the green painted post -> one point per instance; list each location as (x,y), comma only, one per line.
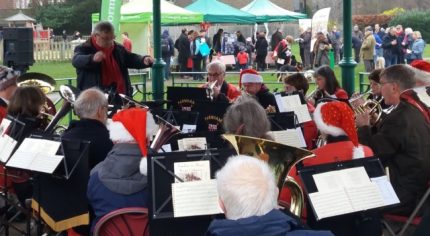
(347,63)
(157,68)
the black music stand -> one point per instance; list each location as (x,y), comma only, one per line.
(185,98)
(372,165)
(211,116)
(213,139)
(16,128)
(283,120)
(177,117)
(161,176)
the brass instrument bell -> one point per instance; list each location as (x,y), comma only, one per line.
(45,82)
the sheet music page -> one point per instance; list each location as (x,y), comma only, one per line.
(195,198)
(7,144)
(291,102)
(39,145)
(180,145)
(328,181)
(21,160)
(354,176)
(423,96)
(365,197)
(165,148)
(186,128)
(388,194)
(5,123)
(279,102)
(197,143)
(192,170)
(302,113)
(301,136)
(287,137)
(327,204)
(45,163)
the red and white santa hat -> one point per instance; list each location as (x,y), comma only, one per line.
(336,119)
(133,125)
(421,65)
(249,76)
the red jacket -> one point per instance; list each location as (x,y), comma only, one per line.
(3,113)
(232,92)
(310,131)
(242,57)
(341,94)
(127,44)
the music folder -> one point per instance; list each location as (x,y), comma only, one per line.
(345,187)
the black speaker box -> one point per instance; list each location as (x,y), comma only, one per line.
(18,46)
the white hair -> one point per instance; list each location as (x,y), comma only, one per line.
(247,187)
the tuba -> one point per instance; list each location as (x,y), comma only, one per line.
(164,133)
(68,93)
(281,158)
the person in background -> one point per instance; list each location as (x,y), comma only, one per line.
(306,43)
(126,42)
(243,58)
(217,41)
(102,62)
(356,45)
(275,39)
(391,47)
(182,44)
(368,49)
(241,183)
(417,49)
(8,86)
(357,33)
(205,39)
(261,51)
(401,34)
(250,50)
(240,37)
(167,52)
(334,40)
(196,55)
(320,50)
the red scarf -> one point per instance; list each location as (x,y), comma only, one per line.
(111,74)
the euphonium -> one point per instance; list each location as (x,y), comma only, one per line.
(281,158)
(164,133)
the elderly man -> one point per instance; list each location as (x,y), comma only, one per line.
(64,200)
(222,91)
(402,140)
(248,196)
(254,87)
(7,88)
(102,62)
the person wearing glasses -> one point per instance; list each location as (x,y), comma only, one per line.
(402,140)
(104,63)
(220,89)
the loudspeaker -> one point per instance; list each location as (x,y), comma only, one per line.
(18,47)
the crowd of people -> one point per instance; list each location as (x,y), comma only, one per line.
(115,174)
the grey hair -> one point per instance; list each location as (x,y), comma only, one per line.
(251,114)
(247,187)
(103,27)
(400,74)
(216,65)
(89,102)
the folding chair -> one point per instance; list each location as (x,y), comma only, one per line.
(413,219)
(128,221)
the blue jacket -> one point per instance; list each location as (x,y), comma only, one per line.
(116,182)
(417,50)
(274,223)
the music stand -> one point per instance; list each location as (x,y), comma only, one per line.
(16,129)
(213,139)
(177,117)
(211,115)
(372,165)
(185,98)
(161,176)
(283,120)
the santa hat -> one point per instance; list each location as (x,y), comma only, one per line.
(421,65)
(249,76)
(336,119)
(133,125)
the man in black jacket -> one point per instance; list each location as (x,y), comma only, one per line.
(254,87)
(182,44)
(102,62)
(402,141)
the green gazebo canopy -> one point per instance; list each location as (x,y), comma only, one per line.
(267,11)
(217,12)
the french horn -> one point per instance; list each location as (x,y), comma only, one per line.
(281,158)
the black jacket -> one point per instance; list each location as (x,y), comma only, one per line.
(183,46)
(402,142)
(95,132)
(266,98)
(89,72)
(261,47)
(389,49)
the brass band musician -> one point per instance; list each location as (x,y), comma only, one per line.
(219,88)
(328,86)
(7,88)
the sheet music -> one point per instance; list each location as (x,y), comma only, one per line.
(364,197)
(39,145)
(422,95)
(337,179)
(45,163)
(195,198)
(21,160)
(192,170)
(302,113)
(186,128)
(4,125)
(301,136)
(288,137)
(165,148)
(7,144)
(187,144)
(388,194)
(327,204)
(279,102)
(291,102)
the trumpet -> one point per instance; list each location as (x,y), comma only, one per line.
(210,90)
(130,102)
